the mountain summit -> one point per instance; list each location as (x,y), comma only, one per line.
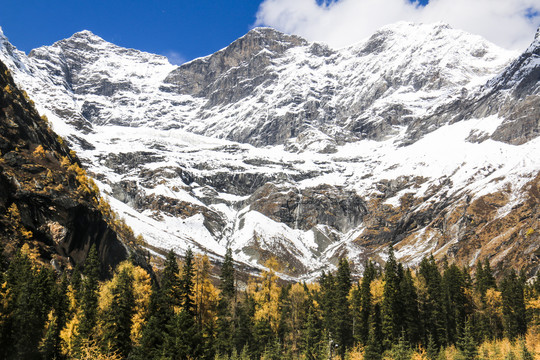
(421,136)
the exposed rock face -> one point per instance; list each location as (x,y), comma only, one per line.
(40,201)
(304,209)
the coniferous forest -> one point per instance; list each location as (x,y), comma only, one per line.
(436,311)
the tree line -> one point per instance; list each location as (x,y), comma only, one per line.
(437,311)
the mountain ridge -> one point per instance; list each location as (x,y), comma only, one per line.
(301,151)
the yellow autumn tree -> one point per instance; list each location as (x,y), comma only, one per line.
(206,294)
(69,333)
(142,289)
(266,294)
(297,297)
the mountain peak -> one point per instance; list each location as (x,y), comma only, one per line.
(86,35)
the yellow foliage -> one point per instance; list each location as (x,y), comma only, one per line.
(68,334)
(39,152)
(91,351)
(31,253)
(356,353)
(65,162)
(15,220)
(266,295)
(419,354)
(273,264)
(529,232)
(206,294)
(494,301)
(142,290)
(377,289)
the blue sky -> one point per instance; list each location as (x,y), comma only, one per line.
(183,30)
(188,29)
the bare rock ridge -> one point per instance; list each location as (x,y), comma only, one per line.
(421,136)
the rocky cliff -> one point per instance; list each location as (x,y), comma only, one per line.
(46,200)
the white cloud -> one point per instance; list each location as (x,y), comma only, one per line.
(175,58)
(507,23)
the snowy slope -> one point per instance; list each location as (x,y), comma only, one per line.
(278,146)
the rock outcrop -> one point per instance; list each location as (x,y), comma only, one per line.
(44,201)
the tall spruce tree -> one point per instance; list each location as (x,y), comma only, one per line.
(163,300)
(467,345)
(227,276)
(51,345)
(454,283)
(28,304)
(411,327)
(343,320)
(513,299)
(118,318)
(391,310)
(89,295)
(365,307)
(432,310)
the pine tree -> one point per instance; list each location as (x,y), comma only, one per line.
(402,350)
(227,276)
(432,310)
(467,345)
(50,347)
(365,308)
(186,284)
(343,320)
(514,313)
(391,309)
(373,349)
(312,333)
(455,302)
(118,318)
(29,303)
(89,296)
(409,308)
(431,349)
(161,313)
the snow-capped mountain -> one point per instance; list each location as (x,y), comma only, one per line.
(422,136)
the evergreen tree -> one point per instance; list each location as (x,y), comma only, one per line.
(365,308)
(514,313)
(326,300)
(223,343)
(312,332)
(409,307)
(161,316)
(391,310)
(89,295)
(431,349)
(118,318)
(401,350)
(343,321)
(467,346)
(455,302)
(227,276)
(432,302)
(373,349)
(243,336)
(29,302)
(186,284)
(51,344)
(484,277)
